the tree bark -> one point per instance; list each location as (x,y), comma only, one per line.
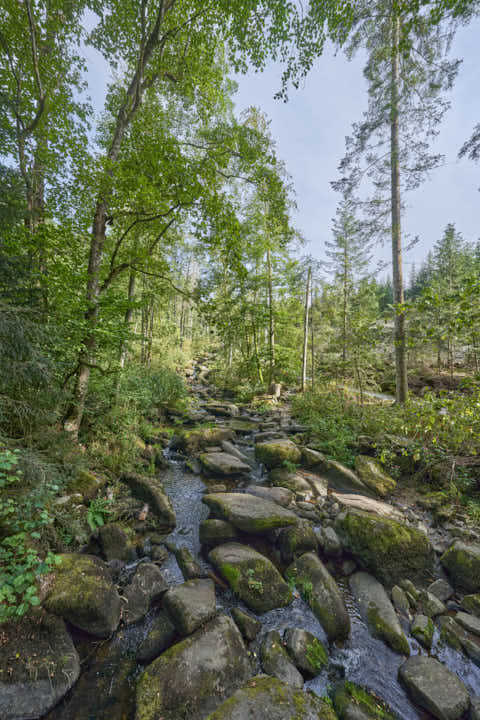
(305,330)
(312,341)
(271,323)
(128,318)
(398,295)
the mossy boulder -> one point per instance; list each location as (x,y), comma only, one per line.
(190,605)
(434,687)
(377,611)
(86,484)
(159,638)
(471,603)
(276,661)
(353,702)
(274,453)
(83,593)
(252,577)
(278,495)
(372,474)
(38,665)
(297,540)
(422,630)
(215,532)
(342,478)
(115,544)
(192,442)
(249,513)
(307,652)
(301,482)
(248,625)
(267,698)
(150,490)
(322,593)
(193,677)
(462,562)
(223,464)
(388,549)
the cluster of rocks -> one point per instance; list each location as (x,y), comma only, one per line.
(314,521)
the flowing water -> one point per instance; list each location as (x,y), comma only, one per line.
(106,689)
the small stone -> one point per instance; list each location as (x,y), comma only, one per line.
(348,567)
(435,688)
(471,603)
(115,544)
(430,604)
(306,651)
(441,589)
(188,565)
(409,587)
(332,546)
(276,662)
(297,540)
(146,586)
(248,625)
(159,554)
(450,632)
(216,488)
(422,629)
(400,599)
(216,532)
(190,605)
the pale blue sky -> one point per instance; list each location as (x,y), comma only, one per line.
(310,133)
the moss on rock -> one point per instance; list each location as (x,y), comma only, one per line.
(462,563)
(274,453)
(372,474)
(351,700)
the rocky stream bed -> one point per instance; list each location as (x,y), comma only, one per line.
(255,579)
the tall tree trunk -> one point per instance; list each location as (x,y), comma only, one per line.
(305,330)
(312,341)
(128,318)
(398,296)
(271,323)
(344,309)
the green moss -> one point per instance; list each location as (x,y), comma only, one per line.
(316,655)
(232,575)
(347,694)
(86,484)
(274,453)
(383,631)
(463,565)
(471,603)
(424,635)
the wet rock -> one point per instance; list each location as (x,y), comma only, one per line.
(160,636)
(471,647)
(475,708)
(230,449)
(469,622)
(451,632)
(252,577)
(388,549)
(276,662)
(471,603)
(150,490)
(410,589)
(441,589)
(273,453)
(188,565)
(190,605)
(223,409)
(216,532)
(38,665)
(311,458)
(293,481)
(378,612)
(462,562)
(434,688)
(321,592)
(360,502)
(146,586)
(372,474)
(267,698)
(296,541)
(193,677)
(248,625)
(422,630)
(430,604)
(249,513)
(220,463)
(83,594)
(307,652)
(400,600)
(332,546)
(278,495)
(115,544)
(159,554)
(353,702)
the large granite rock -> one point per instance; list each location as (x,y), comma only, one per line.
(38,665)
(273,453)
(83,593)
(192,442)
(221,463)
(278,495)
(193,677)
(372,474)
(146,586)
(150,490)
(388,549)
(434,688)
(267,698)
(300,482)
(321,592)
(297,540)
(377,611)
(215,532)
(353,702)
(471,603)
(361,502)
(276,661)
(462,562)
(190,604)
(249,513)
(252,577)
(341,478)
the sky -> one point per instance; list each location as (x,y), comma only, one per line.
(310,131)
